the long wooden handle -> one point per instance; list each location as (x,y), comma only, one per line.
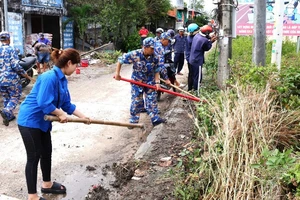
(93,121)
(161,89)
(178,88)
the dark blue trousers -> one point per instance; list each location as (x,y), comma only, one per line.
(178,61)
(197,76)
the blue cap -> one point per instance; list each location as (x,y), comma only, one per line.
(148,42)
(166,35)
(4,36)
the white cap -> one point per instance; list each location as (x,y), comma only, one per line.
(180,28)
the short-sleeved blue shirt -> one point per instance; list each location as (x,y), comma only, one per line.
(44,99)
(44,40)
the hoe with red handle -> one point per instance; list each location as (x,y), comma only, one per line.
(161,89)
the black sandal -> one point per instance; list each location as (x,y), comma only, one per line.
(41,198)
(55,189)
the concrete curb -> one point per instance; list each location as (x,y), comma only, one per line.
(147,145)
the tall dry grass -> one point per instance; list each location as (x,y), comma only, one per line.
(246,122)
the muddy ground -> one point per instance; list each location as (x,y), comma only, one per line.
(104,162)
(147,175)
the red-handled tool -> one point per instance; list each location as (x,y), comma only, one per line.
(161,89)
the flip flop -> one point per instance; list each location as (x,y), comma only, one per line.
(55,189)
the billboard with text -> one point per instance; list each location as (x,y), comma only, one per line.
(245,16)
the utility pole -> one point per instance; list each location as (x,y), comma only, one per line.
(277,33)
(259,33)
(5,12)
(225,42)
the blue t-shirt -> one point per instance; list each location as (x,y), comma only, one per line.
(44,99)
(44,40)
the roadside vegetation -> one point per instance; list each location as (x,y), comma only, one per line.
(108,57)
(246,139)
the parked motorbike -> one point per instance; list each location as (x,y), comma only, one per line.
(171,71)
(28,63)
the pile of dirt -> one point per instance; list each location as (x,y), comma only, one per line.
(123,173)
(98,192)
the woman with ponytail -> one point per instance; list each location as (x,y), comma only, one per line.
(49,96)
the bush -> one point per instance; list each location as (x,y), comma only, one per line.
(133,41)
(108,57)
(235,128)
(246,133)
(286,81)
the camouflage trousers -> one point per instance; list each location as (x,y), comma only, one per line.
(11,96)
(137,103)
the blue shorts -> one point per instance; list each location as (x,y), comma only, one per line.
(43,57)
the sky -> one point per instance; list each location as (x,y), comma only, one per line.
(208,5)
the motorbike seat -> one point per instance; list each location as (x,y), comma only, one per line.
(27,62)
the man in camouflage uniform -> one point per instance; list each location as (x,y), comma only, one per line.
(159,51)
(146,68)
(10,86)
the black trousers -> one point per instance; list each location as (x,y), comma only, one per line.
(178,61)
(190,77)
(38,147)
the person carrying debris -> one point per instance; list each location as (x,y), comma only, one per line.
(10,86)
(50,95)
(146,69)
(42,48)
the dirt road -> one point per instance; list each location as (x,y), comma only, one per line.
(77,146)
(81,152)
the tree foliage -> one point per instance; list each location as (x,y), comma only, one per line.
(120,18)
(197,5)
(81,15)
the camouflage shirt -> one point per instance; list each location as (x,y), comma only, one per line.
(159,51)
(144,68)
(9,67)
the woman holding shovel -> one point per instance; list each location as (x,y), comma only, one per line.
(49,95)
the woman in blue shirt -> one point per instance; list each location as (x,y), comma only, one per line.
(50,95)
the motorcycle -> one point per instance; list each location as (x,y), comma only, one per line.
(171,71)
(27,63)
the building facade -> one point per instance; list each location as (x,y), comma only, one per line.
(27,18)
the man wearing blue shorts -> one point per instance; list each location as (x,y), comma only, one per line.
(42,49)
